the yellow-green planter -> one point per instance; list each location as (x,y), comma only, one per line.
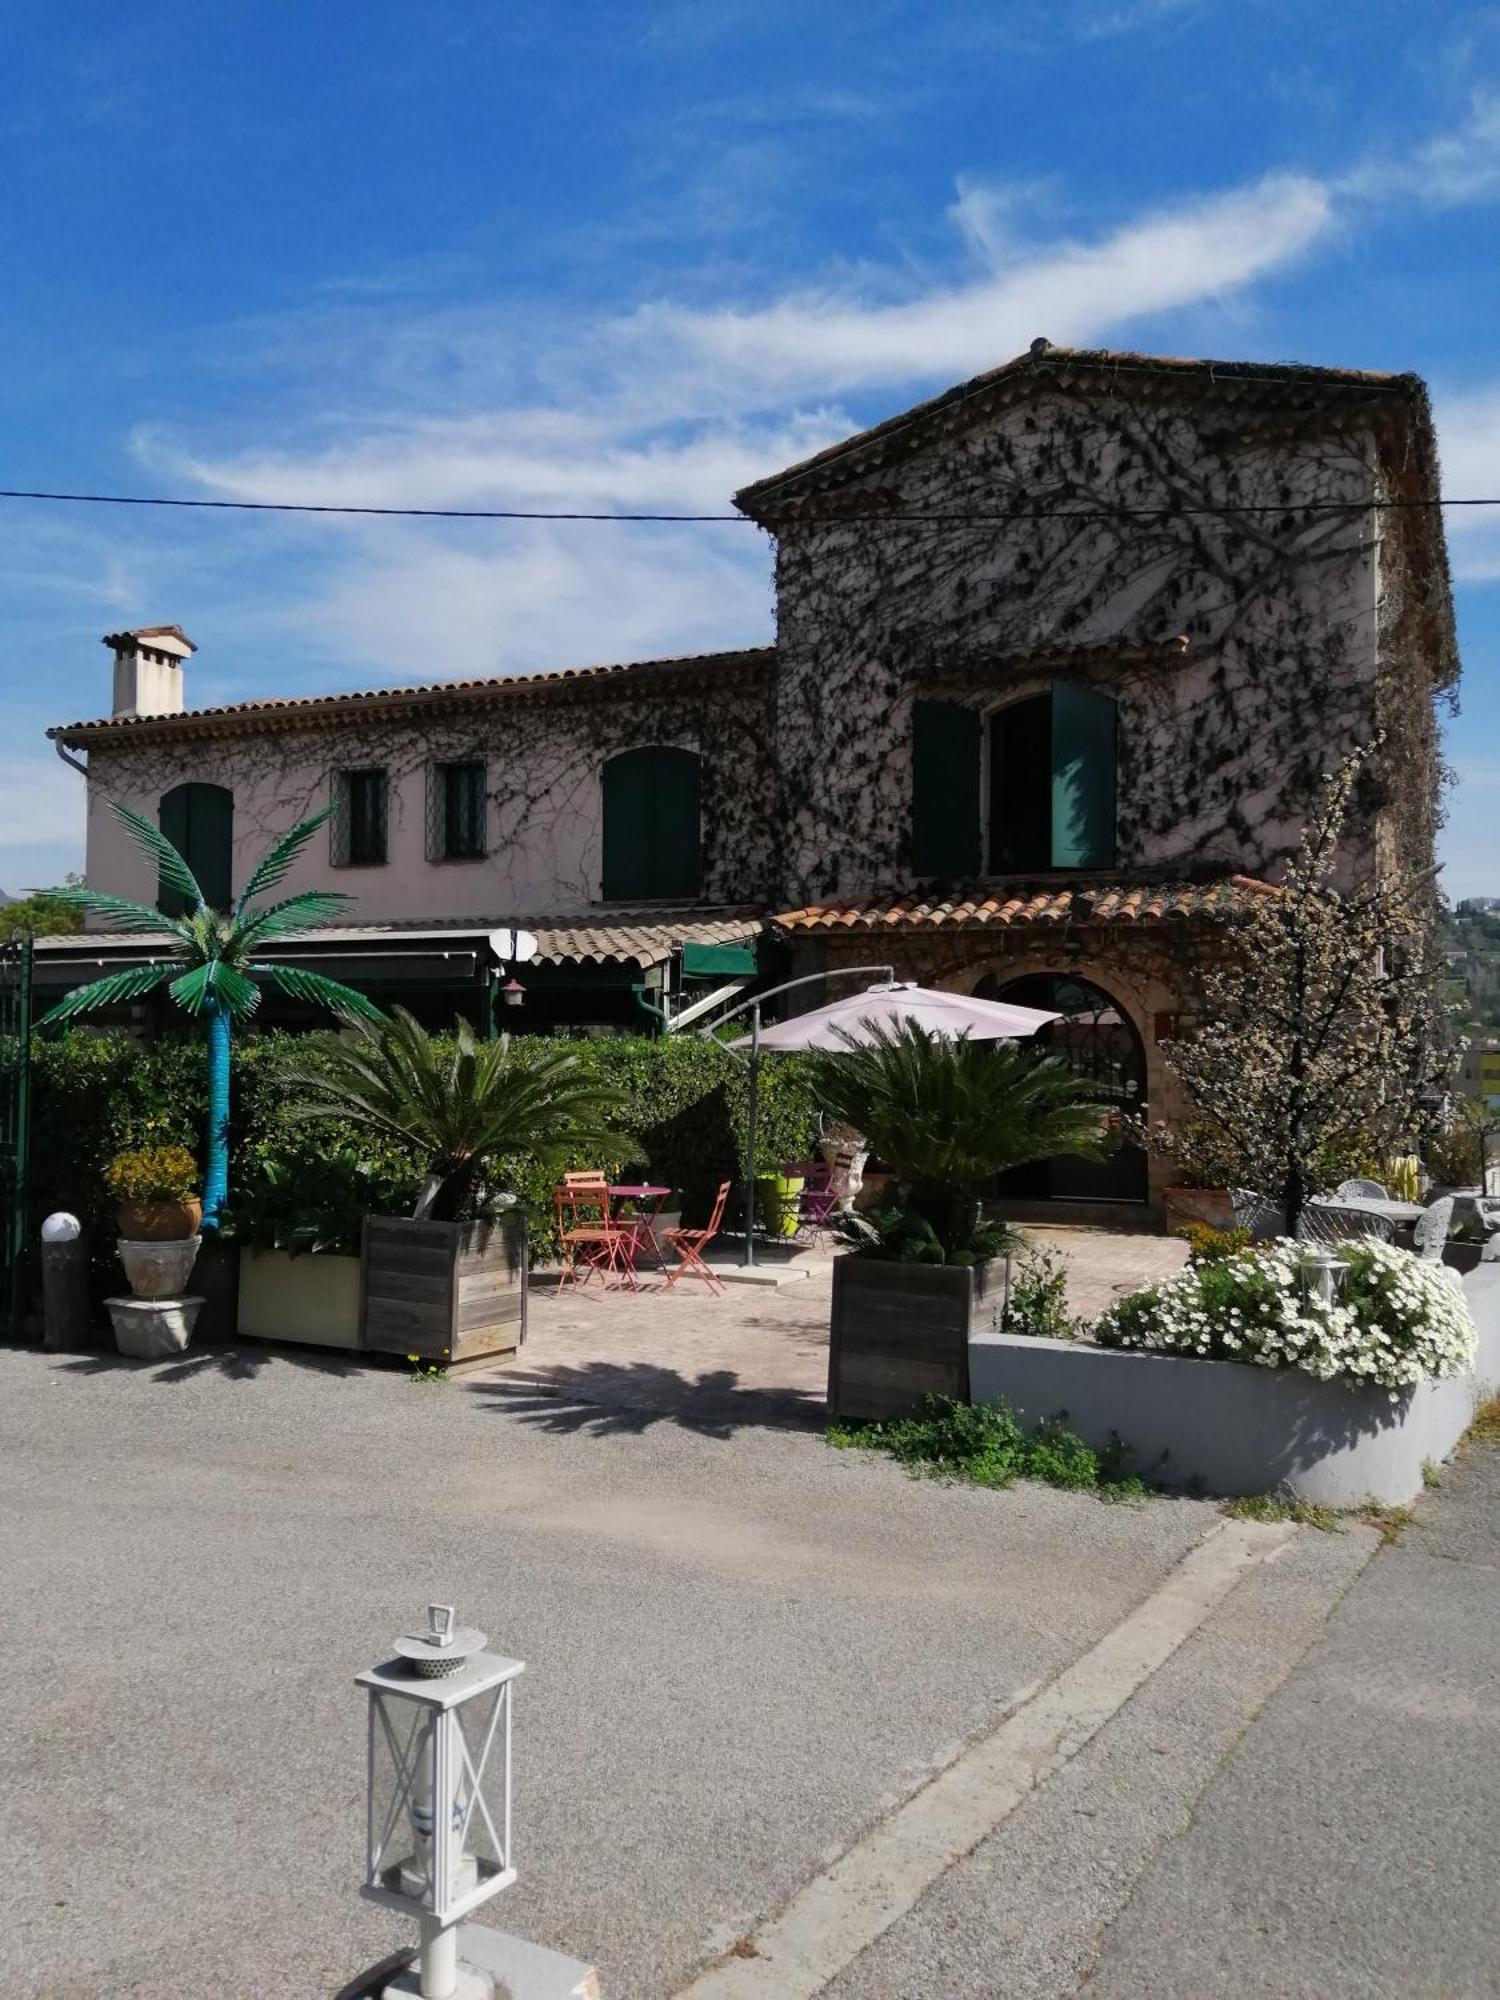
(311,1299)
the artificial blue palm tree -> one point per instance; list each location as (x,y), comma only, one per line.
(213,970)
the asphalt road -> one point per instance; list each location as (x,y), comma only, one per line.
(743,1650)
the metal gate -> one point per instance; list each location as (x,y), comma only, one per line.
(15,1124)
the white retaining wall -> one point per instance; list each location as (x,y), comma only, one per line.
(1234,1428)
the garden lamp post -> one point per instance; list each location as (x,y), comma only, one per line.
(438,1841)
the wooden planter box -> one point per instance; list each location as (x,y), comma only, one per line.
(900,1332)
(444,1291)
(312,1299)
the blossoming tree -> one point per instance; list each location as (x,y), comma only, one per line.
(1325,1027)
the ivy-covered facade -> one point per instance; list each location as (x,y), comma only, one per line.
(1061,658)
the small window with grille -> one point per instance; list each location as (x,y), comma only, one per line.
(456,812)
(359,829)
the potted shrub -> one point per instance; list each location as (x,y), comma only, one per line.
(448,1281)
(1203,1171)
(158,1213)
(155,1191)
(929,1269)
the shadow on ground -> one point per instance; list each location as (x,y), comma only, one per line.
(235,1364)
(611,1398)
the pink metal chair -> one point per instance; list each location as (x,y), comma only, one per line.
(690,1245)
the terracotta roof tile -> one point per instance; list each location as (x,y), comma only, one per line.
(1124,904)
(318,708)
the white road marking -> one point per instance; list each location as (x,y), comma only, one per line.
(843,1910)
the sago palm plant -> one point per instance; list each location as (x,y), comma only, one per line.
(946,1114)
(214,967)
(458,1102)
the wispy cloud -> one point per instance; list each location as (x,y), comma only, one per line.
(1469,439)
(1073,293)
(1447,170)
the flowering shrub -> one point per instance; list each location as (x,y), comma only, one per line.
(1397,1321)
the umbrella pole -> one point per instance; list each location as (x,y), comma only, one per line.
(752,1114)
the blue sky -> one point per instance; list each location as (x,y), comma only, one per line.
(625,255)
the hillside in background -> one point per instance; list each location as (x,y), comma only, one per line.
(1471,954)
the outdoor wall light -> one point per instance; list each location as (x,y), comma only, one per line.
(438,1814)
(513,993)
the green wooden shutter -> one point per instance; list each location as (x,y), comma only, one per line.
(199,822)
(652,828)
(676,838)
(945,740)
(1083,777)
(627,827)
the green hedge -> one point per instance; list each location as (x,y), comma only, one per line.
(302,1186)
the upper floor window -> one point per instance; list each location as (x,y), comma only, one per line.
(199,822)
(652,825)
(456,812)
(1029,787)
(359,829)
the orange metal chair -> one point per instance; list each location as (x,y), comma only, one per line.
(690,1245)
(587,1231)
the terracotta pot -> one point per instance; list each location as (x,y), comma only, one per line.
(159,1221)
(1210,1205)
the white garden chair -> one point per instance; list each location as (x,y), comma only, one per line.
(1360,1190)
(1326,1222)
(1264,1219)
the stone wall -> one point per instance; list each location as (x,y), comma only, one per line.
(1305,632)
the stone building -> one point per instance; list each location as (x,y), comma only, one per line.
(1061,656)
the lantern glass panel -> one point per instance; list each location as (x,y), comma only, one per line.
(402,1780)
(481,1754)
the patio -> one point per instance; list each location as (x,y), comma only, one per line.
(753,1354)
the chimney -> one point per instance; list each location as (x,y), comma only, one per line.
(149,669)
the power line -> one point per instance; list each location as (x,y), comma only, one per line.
(960,519)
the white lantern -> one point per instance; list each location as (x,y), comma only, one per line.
(438,1822)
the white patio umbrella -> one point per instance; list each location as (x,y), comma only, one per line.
(892,1005)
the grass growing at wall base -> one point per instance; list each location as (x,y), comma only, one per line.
(986,1445)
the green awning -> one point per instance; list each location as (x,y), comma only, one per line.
(718,961)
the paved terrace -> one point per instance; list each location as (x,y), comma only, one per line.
(754,1353)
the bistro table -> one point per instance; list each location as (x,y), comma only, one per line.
(643,1230)
(1369,1204)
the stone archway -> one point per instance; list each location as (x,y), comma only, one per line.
(1096,1036)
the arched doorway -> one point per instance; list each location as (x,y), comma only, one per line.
(1097,1039)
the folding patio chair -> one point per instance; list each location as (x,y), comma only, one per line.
(824,1192)
(691,1243)
(587,1231)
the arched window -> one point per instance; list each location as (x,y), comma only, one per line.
(199,822)
(652,838)
(1031,786)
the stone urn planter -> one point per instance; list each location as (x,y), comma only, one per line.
(1211,1206)
(158,1267)
(153,1329)
(900,1332)
(443,1291)
(159,1221)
